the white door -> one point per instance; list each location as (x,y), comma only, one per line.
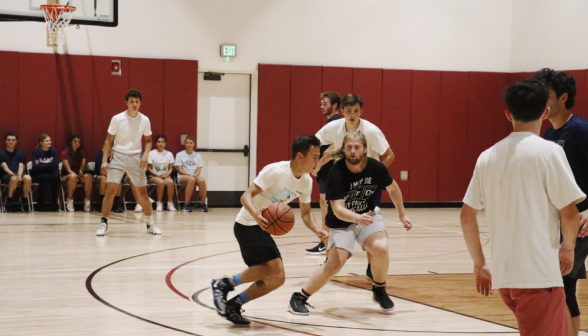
(224,123)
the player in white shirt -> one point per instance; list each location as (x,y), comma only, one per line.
(128,128)
(277,182)
(334,132)
(189,165)
(161,166)
(526,186)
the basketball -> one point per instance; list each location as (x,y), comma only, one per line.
(280,217)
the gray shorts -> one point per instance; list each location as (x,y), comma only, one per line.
(122,163)
(346,238)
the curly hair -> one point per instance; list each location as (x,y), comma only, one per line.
(560,83)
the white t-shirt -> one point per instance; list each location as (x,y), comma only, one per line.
(278,185)
(522,182)
(334,132)
(160,160)
(129,132)
(190,162)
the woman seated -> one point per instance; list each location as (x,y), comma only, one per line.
(45,172)
(73,166)
(160,167)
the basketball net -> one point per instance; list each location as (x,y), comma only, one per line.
(57,18)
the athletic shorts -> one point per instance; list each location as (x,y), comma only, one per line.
(580,254)
(6,179)
(257,246)
(322,185)
(346,238)
(130,164)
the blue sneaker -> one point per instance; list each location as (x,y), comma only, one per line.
(204,208)
(188,208)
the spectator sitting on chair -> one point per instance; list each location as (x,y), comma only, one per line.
(73,161)
(160,167)
(101,179)
(44,170)
(12,172)
(189,165)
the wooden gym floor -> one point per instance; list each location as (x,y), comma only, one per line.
(58,278)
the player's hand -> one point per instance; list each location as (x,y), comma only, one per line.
(104,168)
(262,222)
(483,278)
(18,179)
(322,235)
(406,221)
(143,163)
(164,175)
(365,219)
(584,222)
(315,172)
(566,260)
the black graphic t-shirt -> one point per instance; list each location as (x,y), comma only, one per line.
(323,173)
(573,137)
(356,189)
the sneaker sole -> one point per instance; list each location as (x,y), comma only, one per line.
(221,313)
(317,253)
(381,308)
(296,313)
(102,235)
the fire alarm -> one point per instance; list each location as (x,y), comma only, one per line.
(115,68)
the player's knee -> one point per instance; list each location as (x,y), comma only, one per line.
(379,250)
(27,178)
(72,177)
(169,182)
(13,179)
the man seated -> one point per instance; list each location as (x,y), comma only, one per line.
(12,171)
(189,165)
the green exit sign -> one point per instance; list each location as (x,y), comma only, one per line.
(228,50)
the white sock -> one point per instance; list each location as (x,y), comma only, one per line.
(148,220)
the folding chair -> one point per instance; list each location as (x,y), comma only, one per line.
(179,187)
(34,187)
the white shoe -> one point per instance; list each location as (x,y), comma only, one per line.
(151,200)
(138,208)
(102,229)
(159,206)
(151,228)
(70,206)
(171,207)
(87,205)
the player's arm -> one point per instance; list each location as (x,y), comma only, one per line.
(247,202)
(570,224)
(471,233)
(106,152)
(6,169)
(347,215)
(310,222)
(322,161)
(20,170)
(396,196)
(198,171)
(388,157)
(148,145)
(150,169)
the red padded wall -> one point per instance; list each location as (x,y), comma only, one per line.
(147,76)
(180,101)
(75,78)
(424,140)
(503,126)
(36,99)
(338,80)
(9,94)
(396,107)
(109,95)
(368,84)
(453,134)
(273,115)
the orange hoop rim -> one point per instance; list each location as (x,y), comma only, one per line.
(60,8)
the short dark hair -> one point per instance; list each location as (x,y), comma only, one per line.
(560,83)
(303,143)
(526,100)
(10,133)
(190,137)
(351,99)
(334,98)
(161,136)
(133,93)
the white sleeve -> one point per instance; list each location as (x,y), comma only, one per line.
(150,158)
(170,157)
(113,127)
(179,161)
(199,160)
(559,181)
(473,196)
(147,131)
(305,196)
(325,134)
(379,144)
(267,177)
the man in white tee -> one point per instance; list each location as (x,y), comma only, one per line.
(128,128)
(526,186)
(277,182)
(334,132)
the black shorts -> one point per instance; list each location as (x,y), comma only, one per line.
(6,179)
(322,185)
(257,246)
(580,254)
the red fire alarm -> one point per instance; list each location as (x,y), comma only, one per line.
(115,68)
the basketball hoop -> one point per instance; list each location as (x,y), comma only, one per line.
(57,18)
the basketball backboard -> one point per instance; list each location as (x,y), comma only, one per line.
(88,12)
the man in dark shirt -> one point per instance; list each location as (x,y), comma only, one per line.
(351,187)
(571,132)
(330,104)
(12,171)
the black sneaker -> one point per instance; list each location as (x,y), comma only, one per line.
(118,208)
(382,298)
(368,274)
(319,249)
(7,207)
(297,305)
(25,204)
(233,314)
(220,288)
(188,208)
